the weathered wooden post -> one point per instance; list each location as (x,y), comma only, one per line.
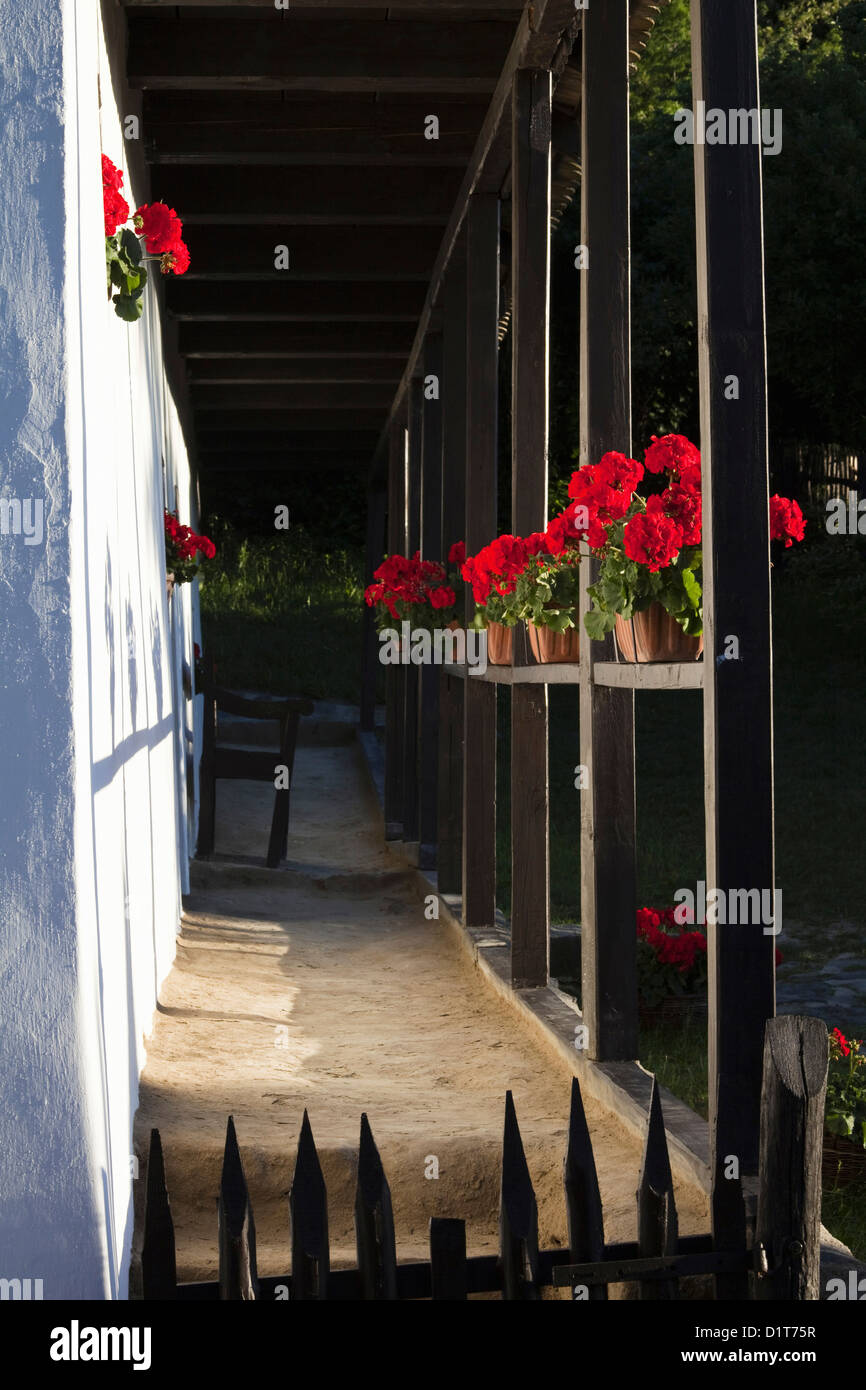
(738,734)
(609,949)
(482,349)
(395,681)
(530,354)
(789,1190)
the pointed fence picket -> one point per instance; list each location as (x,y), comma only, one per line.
(656,1262)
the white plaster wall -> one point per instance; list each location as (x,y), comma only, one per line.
(94,839)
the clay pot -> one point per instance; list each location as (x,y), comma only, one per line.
(169,583)
(654,636)
(500,644)
(549,646)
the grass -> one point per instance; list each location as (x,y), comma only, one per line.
(283,615)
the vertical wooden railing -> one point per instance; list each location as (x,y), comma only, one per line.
(451,690)
(530,358)
(738,736)
(482,349)
(607,841)
(395,676)
(431,549)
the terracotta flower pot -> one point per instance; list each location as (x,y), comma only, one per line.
(653,635)
(500,644)
(549,646)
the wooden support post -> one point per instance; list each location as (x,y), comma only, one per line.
(792,1123)
(376,499)
(395,676)
(411,789)
(530,352)
(482,347)
(609,950)
(451,713)
(431,549)
(738,737)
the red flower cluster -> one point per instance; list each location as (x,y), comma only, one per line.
(457,553)
(183,541)
(672,945)
(677,456)
(162,230)
(500,564)
(841,1042)
(414,581)
(652,539)
(787,522)
(115,206)
(605,491)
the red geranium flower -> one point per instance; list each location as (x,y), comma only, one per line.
(160,226)
(787,522)
(457,553)
(115,206)
(652,539)
(674,454)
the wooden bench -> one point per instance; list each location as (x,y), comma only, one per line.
(248,764)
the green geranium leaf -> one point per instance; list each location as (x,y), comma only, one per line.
(692,587)
(128,307)
(597,624)
(131,245)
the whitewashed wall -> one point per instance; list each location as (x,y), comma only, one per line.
(94,727)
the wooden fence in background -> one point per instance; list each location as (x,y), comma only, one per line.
(778,1256)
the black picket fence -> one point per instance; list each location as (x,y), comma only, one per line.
(781,1263)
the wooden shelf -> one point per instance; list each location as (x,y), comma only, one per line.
(565,673)
(623,675)
(650,675)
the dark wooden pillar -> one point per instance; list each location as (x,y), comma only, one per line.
(431,549)
(738,734)
(482,404)
(449,861)
(395,677)
(376,504)
(606,715)
(411,792)
(530,351)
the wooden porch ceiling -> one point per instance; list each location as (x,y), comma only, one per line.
(305,128)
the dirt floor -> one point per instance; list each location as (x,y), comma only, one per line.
(324,986)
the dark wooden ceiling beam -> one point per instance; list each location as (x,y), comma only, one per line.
(242,463)
(299,303)
(276,422)
(339,396)
(272,127)
(286,442)
(287,51)
(321,253)
(222,195)
(336,371)
(285,340)
(453,10)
